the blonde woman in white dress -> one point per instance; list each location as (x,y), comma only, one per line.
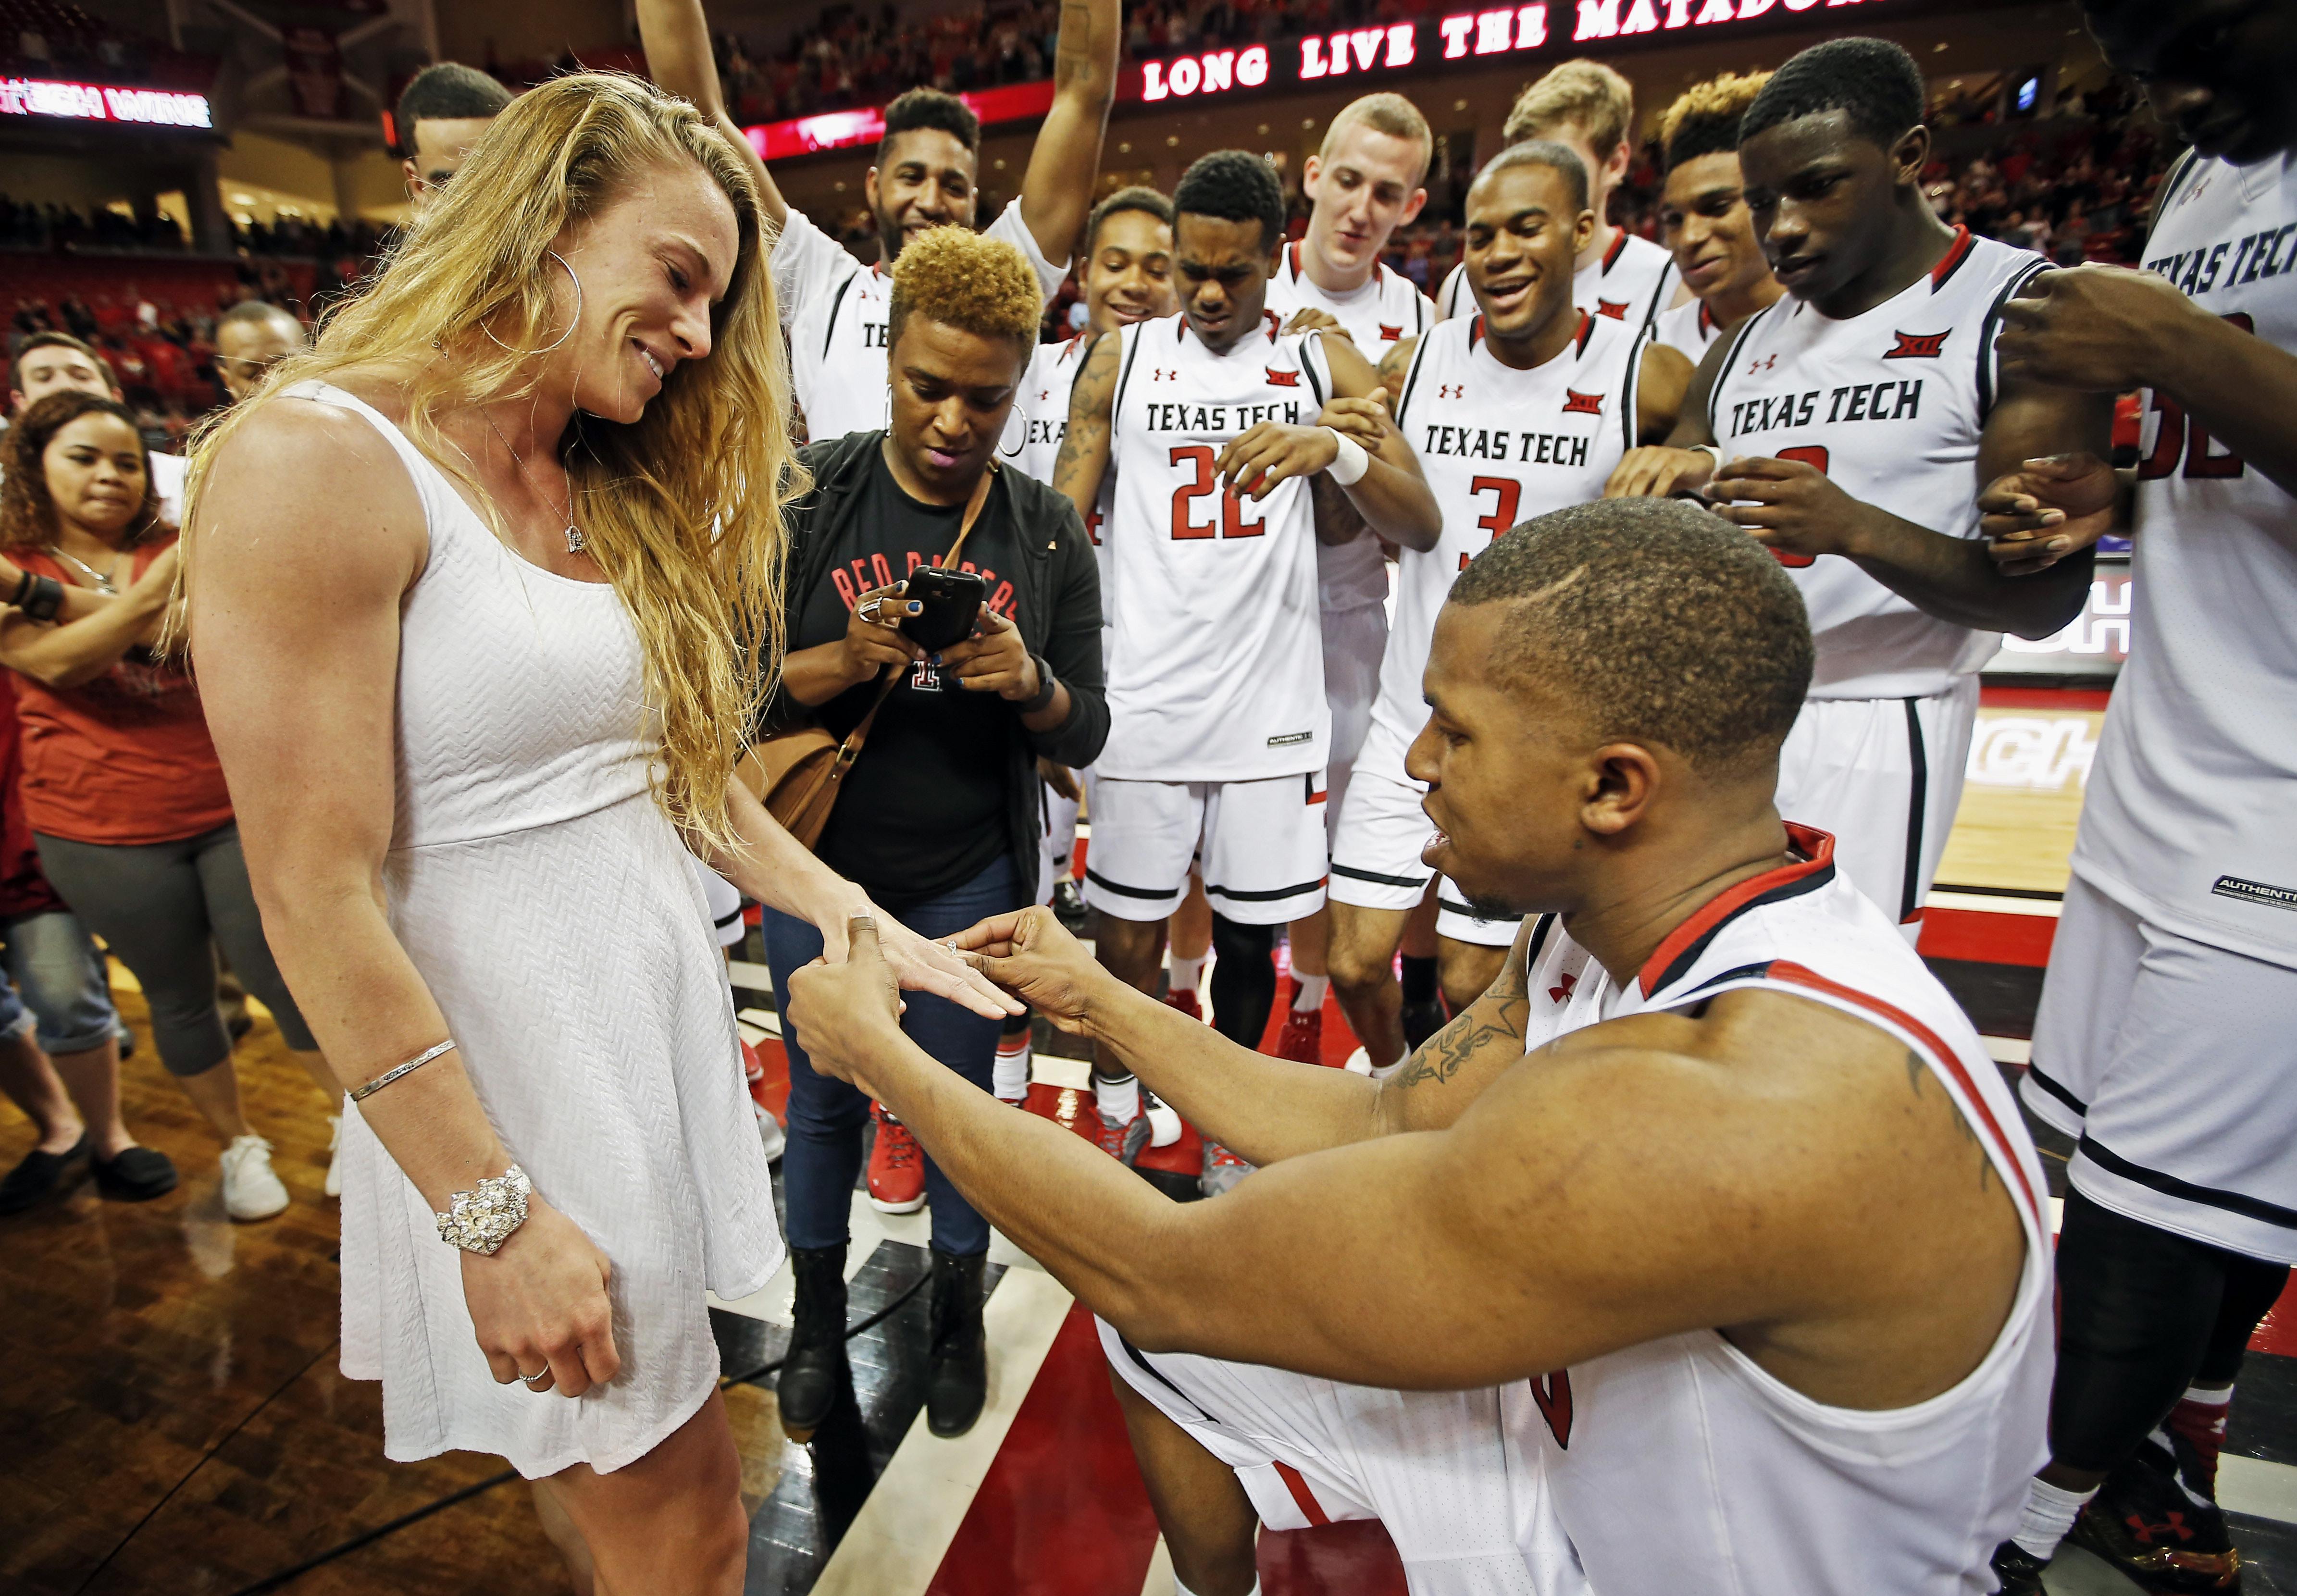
(483,591)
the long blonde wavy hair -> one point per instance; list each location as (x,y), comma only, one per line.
(681,510)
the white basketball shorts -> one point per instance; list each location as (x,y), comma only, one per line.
(1884,777)
(2172,1061)
(1259,845)
(725,904)
(1353,641)
(1431,1466)
(1375,853)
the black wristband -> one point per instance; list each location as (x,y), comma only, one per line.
(47,598)
(23,586)
(1048,684)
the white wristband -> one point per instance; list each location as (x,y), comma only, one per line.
(1351,462)
(1712,453)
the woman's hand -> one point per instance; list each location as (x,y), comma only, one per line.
(918,965)
(540,1303)
(846,1005)
(873,636)
(993,660)
(2052,507)
(1031,954)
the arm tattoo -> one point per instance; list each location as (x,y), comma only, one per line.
(1917,1072)
(1083,459)
(1394,366)
(1072,44)
(1337,519)
(1443,1054)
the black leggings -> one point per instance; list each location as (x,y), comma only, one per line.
(2143,1314)
(1244,979)
(163,909)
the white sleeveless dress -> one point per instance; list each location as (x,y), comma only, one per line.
(550,905)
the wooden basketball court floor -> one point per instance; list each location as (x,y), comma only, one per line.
(172,1419)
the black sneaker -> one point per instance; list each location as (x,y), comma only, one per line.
(1420,1022)
(2167,1539)
(2019,1570)
(1068,905)
(137,1175)
(39,1175)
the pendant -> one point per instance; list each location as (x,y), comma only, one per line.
(574,540)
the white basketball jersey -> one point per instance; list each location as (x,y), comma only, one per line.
(835,309)
(1632,283)
(1216,665)
(1889,405)
(2189,817)
(1682,1465)
(1498,446)
(1040,421)
(1386,308)
(1690,328)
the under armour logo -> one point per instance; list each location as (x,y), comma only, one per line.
(1917,346)
(1043,394)
(1766,363)
(1616,309)
(1564,991)
(1451,390)
(1388,334)
(2174,1527)
(1160,373)
(1281,379)
(1575,403)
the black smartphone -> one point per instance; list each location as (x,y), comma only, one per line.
(952,600)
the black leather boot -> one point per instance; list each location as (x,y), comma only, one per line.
(958,1379)
(814,1371)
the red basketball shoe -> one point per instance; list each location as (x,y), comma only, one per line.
(1302,1040)
(1186,1002)
(897,1167)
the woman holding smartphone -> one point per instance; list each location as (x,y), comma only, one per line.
(937,819)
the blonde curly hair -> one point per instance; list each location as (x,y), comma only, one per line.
(1704,119)
(682,509)
(967,280)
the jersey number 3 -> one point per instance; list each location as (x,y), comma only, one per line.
(1233,523)
(1505,496)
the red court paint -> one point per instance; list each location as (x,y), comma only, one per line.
(1356,1558)
(1063,1509)
(2042,698)
(1985,938)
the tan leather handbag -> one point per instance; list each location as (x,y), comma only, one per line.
(797,774)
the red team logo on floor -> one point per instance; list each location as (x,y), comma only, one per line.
(1916,346)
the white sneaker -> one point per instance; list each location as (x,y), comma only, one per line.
(1359,1062)
(250,1191)
(334,1186)
(1163,1123)
(769,1132)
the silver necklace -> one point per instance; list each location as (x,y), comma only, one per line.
(574,538)
(102,578)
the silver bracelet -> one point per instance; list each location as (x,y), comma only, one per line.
(361,1093)
(482,1218)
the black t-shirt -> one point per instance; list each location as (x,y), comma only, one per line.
(923,810)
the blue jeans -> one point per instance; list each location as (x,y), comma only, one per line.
(826,1115)
(54,965)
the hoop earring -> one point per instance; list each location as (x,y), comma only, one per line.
(571,325)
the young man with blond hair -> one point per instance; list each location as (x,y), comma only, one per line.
(1704,218)
(1363,185)
(1589,110)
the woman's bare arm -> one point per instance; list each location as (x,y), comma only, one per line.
(304,542)
(77,651)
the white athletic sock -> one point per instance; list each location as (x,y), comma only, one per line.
(1118,1100)
(1181,1590)
(1008,1076)
(1185,973)
(2050,1512)
(1308,993)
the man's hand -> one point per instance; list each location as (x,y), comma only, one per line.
(918,965)
(1308,318)
(1656,471)
(1030,953)
(540,1302)
(1271,452)
(1366,420)
(1794,509)
(993,660)
(2033,517)
(1059,777)
(848,1010)
(2107,329)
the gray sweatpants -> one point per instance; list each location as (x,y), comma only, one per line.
(163,909)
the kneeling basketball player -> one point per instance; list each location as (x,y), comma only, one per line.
(1708,1238)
